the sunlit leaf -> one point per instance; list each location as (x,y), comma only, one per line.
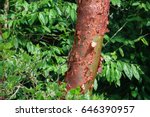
(95,84)
(135,72)
(119,65)
(121,52)
(46,29)
(42,18)
(118,76)
(116,2)
(128,71)
(5,35)
(108,75)
(144,41)
(113,77)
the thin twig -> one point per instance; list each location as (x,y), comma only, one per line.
(116,33)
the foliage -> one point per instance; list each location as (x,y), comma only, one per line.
(34,47)
(39,34)
(125,70)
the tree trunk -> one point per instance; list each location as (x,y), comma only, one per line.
(84,58)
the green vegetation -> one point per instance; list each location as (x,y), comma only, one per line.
(37,36)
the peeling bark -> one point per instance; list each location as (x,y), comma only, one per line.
(84,58)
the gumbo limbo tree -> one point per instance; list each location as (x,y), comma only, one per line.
(85,57)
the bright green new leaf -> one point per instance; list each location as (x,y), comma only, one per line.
(144,41)
(5,35)
(7,46)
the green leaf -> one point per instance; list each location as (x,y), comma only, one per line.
(106,37)
(95,84)
(116,2)
(136,4)
(30,47)
(5,35)
(103,71)
(114,55)
(73,15)
(58,11)
(121,52)
(118,76)
(144,41)
(42,18)
(1,46)
(135,72)
(134,93)
(32,19)
(119,65)
(1,39)
(8,45)
(108,77)
(46,29)
(127,70)
(148,23)
(112,71)
(1,69)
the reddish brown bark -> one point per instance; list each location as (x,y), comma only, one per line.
(84,58)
